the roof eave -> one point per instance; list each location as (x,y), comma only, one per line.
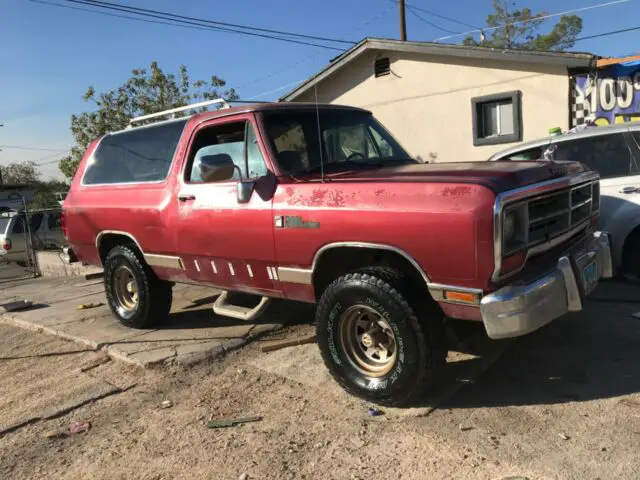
(568,60)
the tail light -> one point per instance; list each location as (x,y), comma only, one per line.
(63,224)
(6,245)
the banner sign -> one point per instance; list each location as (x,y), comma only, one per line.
(613,96)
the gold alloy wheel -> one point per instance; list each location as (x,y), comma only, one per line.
(125,289)
(367,340)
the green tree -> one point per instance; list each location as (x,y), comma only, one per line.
(26,173)
(147,91)
(519,28)
(23,173)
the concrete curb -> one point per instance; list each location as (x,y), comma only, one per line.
(187,359)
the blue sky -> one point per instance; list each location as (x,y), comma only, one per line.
(50,55)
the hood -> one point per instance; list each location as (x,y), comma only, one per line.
(498,176)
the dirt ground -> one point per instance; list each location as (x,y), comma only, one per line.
(562,403)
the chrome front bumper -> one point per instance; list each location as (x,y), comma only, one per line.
(520,309)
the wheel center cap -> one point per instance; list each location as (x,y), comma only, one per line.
(366,340)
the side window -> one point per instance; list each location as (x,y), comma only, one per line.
(18,226)
(53,221)
(609,155)
(496,118)
(36,221)
(137,155)
(635,140)
(255,160)
(227,139)
(291,145)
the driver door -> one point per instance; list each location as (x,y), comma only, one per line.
(221,241)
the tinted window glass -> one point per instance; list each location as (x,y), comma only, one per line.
(142,154)
(36,221)
(345,135)
(53,221)
(4,222)
(18,225)
(635,164)
(227,139)
(525,155)
(609,155)
(255,161)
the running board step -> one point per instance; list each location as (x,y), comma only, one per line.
(223,308)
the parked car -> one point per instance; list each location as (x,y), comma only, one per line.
(320,204)
(45,227)
(614,152)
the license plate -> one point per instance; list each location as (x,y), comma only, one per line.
(590,277)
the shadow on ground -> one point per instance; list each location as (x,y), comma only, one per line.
(585,356)
(199,314)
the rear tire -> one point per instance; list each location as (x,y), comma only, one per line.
(376,340)
(136,296)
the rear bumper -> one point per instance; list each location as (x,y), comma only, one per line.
(520,309)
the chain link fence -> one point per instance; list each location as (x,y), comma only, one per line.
(22,233)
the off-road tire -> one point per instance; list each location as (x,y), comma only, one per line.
(419,338)
(154,295)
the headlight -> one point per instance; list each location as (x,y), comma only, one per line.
(509,226)
(514,229)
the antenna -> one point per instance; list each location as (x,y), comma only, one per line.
(315,91)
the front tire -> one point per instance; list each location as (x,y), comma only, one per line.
(373,342)
(136,296)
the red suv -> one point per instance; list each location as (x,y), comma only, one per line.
(319,203)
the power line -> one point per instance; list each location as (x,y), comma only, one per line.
(203,23)
(213,22)
(443,17)
(277,89)
(19,147)
(415,14)
(542,17)
(606,34)
(302,60)
(57,160)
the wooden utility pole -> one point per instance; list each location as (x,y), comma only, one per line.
(403,23)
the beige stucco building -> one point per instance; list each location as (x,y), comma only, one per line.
(449,102)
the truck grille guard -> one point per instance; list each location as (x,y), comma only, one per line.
(553,212)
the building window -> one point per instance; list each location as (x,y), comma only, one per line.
(382,67)
(496,119)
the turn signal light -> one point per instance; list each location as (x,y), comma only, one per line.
(462,297)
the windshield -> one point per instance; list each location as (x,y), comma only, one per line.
(348,138)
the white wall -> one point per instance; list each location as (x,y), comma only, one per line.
(426,101)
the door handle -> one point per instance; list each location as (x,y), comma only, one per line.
(629,190)
(186,198)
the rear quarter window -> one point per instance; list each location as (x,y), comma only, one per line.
(138,155)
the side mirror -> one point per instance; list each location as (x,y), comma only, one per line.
(216,168)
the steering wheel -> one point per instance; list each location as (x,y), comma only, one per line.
(354,154)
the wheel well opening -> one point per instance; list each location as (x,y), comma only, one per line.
(632,240)
(110,240)
(341,260)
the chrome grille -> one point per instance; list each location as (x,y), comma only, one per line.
(554,214)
